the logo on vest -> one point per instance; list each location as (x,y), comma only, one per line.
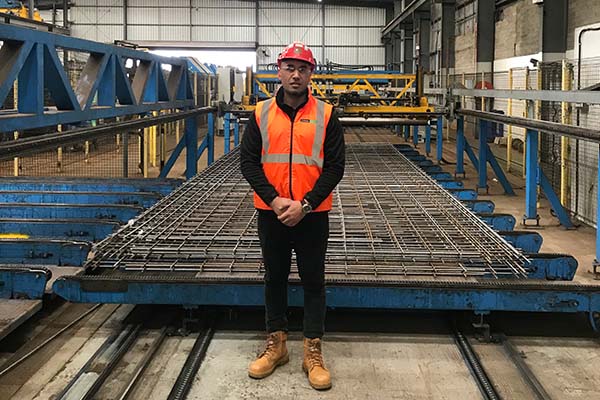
(309,121)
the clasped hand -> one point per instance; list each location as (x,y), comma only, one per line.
(288,211)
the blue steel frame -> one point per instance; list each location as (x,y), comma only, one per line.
(208,144)
(533,174)
(32,56)
(534,177)
(104,90)
(540,296)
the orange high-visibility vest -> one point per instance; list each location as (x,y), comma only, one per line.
(292,153)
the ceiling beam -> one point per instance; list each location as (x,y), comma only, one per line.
(398,19)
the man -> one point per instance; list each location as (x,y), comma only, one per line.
(292,155)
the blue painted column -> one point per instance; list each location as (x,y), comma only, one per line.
(482,165)
(460,146)
(531,174)
(226,133)
(211,139)
(236,131)
(416,135)
(191,146)
(406,132)
(397,130)
(439,140)
(428,138)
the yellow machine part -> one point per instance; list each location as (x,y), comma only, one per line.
(22,12)
(13,236)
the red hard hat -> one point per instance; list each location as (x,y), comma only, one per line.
(297,51)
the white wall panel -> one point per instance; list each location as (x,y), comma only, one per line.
(240,16)
(83,15)
(83,3)
(108,15)
(219,16)
(140,32)
(84,31)
(284,36)
(98,33)
(357,56)
(352,16)
(208,33)
(144,3)
(369,36)
(240,34)
(287,17)
(144,16)
(231,20)
(179,3)
(106,3)
(341,36)
(208,16)
(352,37)
(223,3)
(175,16)
(109,33)
(175,32)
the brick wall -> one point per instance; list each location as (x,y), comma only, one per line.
(518,30)
(464,51)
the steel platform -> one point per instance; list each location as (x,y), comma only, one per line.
(397,239)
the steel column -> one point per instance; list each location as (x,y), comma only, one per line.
(416,135)
(428,138)
(531,175)
(191,144)
(210,137)
(460,146)
(439,139)
(226,133)
(406,132)
(236,131)
(482,165)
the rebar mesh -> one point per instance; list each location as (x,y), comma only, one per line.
(389,221)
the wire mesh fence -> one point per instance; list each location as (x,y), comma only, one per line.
(571,165)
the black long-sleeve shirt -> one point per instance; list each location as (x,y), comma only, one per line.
(333,163)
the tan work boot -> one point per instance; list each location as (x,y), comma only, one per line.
(274,355)
(313,365)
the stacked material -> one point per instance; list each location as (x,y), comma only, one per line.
(389,221)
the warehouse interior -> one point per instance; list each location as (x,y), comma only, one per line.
(463,257)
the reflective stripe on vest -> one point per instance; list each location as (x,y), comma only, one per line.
(264,123)
(314,159)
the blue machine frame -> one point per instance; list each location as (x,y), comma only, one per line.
(534,176)
(32,56)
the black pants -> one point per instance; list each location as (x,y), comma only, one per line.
(309,240)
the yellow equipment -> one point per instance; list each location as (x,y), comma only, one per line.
(17,9)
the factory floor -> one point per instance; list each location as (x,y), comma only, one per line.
(372,354)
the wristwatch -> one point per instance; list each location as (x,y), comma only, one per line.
(306,207)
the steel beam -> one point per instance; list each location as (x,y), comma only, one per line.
(569,96)
(576,132)
(43,252)
(540,296)
(103,212)
(52,140)
(404,14)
